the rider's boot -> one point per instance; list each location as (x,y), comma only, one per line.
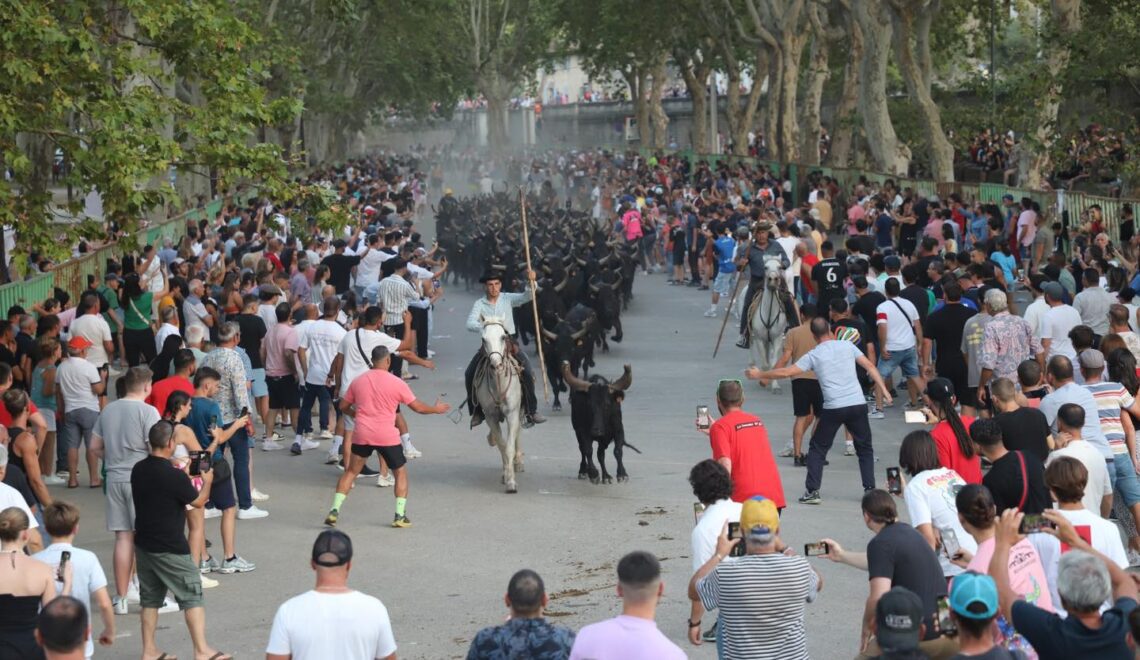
(530,401)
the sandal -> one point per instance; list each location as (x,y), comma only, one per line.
(166,656)
(73,484)
(221,656)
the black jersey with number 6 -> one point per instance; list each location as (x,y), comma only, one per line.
(829,276)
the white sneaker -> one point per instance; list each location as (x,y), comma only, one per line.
(710,313)
(209,582)
(410,451)
(121,606)
(386,480)
(168,606)
(52,480)
(332,458)
(326,434)
(271,445)
(63,474)
(212,513)
(275,436)
(252,513)
(133,592)
(258,496)
(876,414)
(307,445)
(786,452)
(849,450)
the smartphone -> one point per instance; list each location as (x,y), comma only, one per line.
(950,544)
(1034,523)
(734,533)
(703,420)
(64,557)
(698,509)
(914,417)
(244,412)
(816,549)
(945,623)
(894,481)
(199,463)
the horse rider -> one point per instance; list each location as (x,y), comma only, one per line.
(759,250)
(499,304)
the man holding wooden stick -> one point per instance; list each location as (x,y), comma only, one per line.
(496,303)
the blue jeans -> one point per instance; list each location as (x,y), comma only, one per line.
(314,393)
(239,449)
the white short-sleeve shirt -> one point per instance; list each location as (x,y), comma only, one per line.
(304,625)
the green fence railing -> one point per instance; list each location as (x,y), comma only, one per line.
(71,275)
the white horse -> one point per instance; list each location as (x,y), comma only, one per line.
(769,321)
(499,392)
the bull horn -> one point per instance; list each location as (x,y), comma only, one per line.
(594,288)
(562,284)
(549,335)
(578,335)
(625,381)
(573,381)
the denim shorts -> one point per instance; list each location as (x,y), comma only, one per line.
(1127,484)
(260,388)
(906,360)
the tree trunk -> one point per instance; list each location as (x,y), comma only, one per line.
(818,72)
(497,91)
(911,22)
(888,152)
(792,53)
(660,119)
(636,80)
(742,116)
(844,123)
(772,110)
(1035,164)
(696,81)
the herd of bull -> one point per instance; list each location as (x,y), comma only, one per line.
(585,278)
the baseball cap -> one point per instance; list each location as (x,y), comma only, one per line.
(332,548)
(970,590)
(892,262)
(759,513)
(1054,290)
(940,389)
(78,343)
(1091,358)
(898,618)
(112,276)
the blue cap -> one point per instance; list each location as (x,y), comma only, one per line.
(969,590)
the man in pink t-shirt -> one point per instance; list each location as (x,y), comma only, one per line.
(372,401)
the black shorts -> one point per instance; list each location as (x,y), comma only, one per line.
(393,455)
(283,392)
(807,397)
(679,255)
(222,494)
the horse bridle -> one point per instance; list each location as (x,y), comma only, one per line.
(504,364)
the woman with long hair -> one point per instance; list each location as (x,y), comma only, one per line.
(138,335)
(178,406)
(163,364)
(231,293)
(1029,576)
(955,449)
(929,496)
(26,585)
(48,354)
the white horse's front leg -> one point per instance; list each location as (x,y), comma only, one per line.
(508,447)
(775,350)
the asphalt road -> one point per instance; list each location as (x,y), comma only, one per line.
(444,578)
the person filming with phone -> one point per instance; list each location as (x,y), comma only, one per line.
(765,584)
(740,444)
(898,556)
(1086,580)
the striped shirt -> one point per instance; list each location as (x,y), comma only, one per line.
(1110,398)
(761,600)
(395,294)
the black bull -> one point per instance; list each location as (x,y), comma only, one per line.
(595,412)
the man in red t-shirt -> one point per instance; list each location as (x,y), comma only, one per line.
(373,401)
(180,382)
(740,443)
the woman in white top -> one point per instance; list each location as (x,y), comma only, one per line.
(929,494)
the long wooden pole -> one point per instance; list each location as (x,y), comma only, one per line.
(728,312)
(534,301)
